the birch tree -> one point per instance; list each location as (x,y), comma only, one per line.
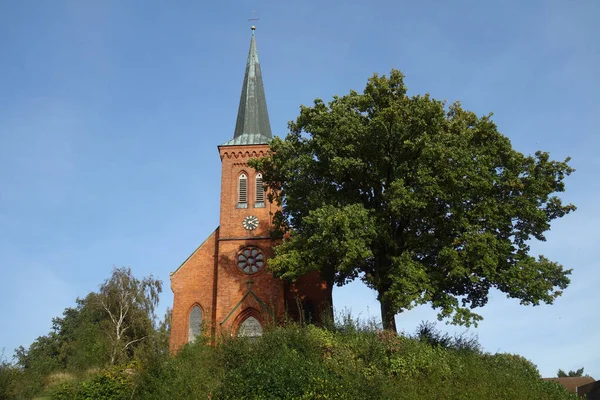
(130,305)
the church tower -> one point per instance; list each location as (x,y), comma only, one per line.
(224,287)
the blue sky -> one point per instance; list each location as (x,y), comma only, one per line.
(111,111)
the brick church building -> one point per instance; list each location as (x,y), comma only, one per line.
(224,287)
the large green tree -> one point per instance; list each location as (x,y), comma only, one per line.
(426,203)
(109,326)
(75,342)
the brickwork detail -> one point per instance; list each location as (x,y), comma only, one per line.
(211,278)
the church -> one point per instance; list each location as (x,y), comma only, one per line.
(224,287)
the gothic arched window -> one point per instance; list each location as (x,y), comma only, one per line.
(260,192)
(242,191)
(250,328)
(195,327)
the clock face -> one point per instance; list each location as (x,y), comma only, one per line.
(250,222)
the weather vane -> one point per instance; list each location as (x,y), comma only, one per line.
(253,19)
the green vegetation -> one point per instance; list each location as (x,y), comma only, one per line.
(570,374)
(129,304)
(347,361)
(114,326)
(425,203)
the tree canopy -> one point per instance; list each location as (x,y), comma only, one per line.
(129,303)
(570,374)
(111,325)
(426,203)
(115,326)
(76,341)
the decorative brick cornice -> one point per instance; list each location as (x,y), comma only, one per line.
(245,238)
(237,153)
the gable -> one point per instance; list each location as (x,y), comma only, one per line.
(208,244)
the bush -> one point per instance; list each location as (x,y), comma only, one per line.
(195,373)
(283,364)
(428,333)
(115,383)
(8,377)
(348,361)
(352,361)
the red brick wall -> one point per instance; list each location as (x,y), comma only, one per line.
(233,283)
(211,278)
(192,284)
(234,161)
(309,294)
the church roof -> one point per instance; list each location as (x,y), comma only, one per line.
(252,126)
(572,383)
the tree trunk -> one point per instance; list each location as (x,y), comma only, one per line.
(387,316)
(327,310)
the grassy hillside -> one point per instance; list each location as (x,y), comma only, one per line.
(306,362)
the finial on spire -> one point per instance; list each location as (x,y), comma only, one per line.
(253,18)
(252,125)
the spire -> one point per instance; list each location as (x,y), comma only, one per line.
(252,126)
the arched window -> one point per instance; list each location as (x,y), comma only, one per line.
(260,192)
(195,328)
(242,191)
(250,328)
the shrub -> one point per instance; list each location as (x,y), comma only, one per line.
(115,383)
(348,361)
(283,364)
(195,373)
(8,377)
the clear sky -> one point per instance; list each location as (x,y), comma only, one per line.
(111,111)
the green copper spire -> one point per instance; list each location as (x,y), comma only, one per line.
(252,126)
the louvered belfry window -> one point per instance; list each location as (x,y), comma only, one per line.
(260,192)
(195,328)
(242,191)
